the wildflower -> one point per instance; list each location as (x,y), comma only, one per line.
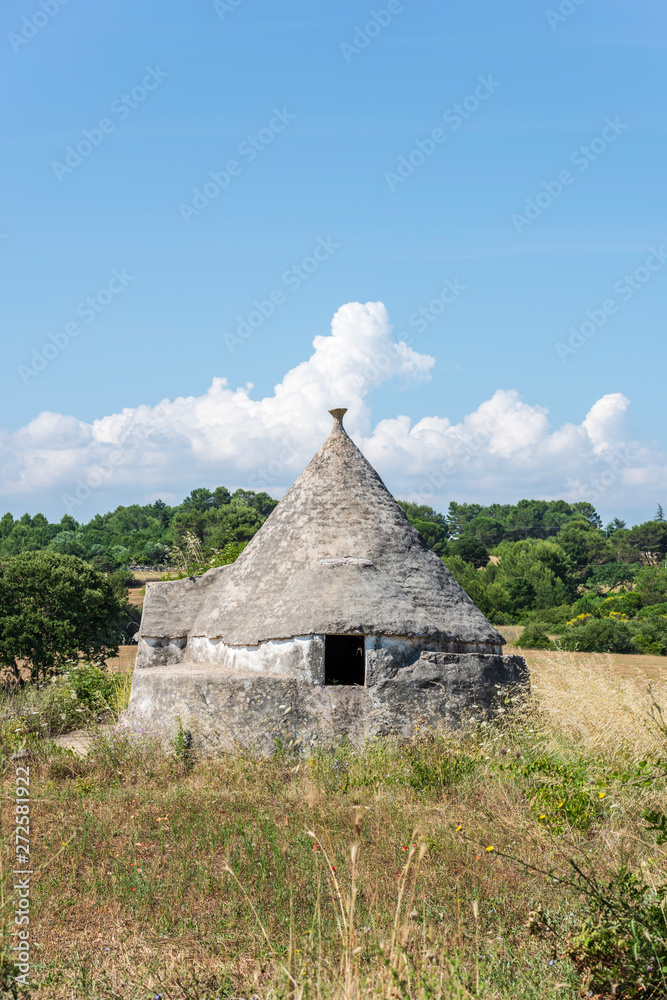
(543,816)
(561,804)
(459,828)
(602,794)
(490,848)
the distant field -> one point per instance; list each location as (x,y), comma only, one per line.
(623,664)
(124,660)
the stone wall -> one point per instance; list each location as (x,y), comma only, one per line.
(253,708)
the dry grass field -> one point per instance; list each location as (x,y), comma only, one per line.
(400,869)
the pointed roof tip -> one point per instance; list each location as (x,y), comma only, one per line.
(338,413)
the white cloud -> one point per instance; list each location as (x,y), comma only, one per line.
(505,449)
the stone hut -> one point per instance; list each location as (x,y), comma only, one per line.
(336,618)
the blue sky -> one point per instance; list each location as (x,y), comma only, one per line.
(339,95)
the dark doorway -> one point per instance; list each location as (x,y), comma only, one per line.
(344,659)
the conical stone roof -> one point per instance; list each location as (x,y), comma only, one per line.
(337,555)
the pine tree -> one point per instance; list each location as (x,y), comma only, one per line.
(659,514)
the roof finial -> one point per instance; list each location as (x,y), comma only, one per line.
(338,415)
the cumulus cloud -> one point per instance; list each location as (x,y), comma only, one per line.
(504,449)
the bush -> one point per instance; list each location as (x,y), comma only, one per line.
(588,604)
(533,637)
(75,700)
(624,604)
(652,609)
(599,635)
(53,608)
(651,635)
(619,948)
(554,619)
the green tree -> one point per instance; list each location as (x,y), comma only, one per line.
(584,544)
(53,609)
(651,585)
(471,550)
(647,542)
(200,500)
(486,530)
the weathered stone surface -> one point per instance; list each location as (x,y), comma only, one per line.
(337,555)
(253,709)
(240,652)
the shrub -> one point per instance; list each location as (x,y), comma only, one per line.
(599,635)
(651,635)
(75,700)
(625,604)
(620,947)
(588,604)
(533,637)
(652,609)
(554,619)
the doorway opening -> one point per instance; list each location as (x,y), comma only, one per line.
(344,659)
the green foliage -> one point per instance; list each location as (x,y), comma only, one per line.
(521,594)
(526,519)
(471,550)
(554,619)
(626,603)
(651,585)
(74,700)
(620,946)
(599,635)
(651,610)
(533,637)
(144,534)
(54,608)
(431,525)
(611,574)
(651,635)
(561,793)
(645,542)
(584,544)
(183,745)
